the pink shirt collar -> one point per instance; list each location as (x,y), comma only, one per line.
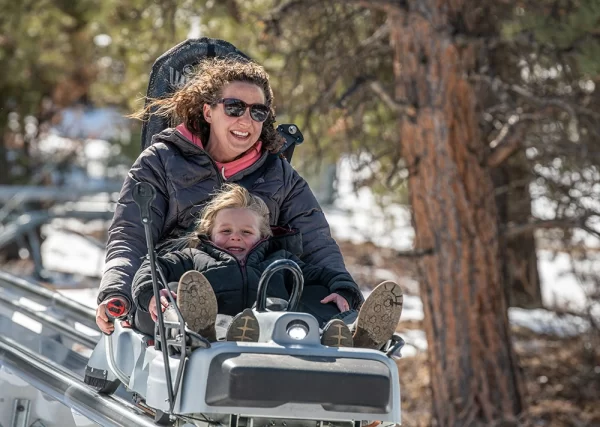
(231,168)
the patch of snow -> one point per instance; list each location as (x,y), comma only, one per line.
(560,287)
(378,225)
(97,123)
(410,286)
(26,302)
(53,144)
(85,296)
(412,309)
(26,321)
(92,227)
(543,321)
(415,342)
(357,215)
(375,275)
(71,253)
(85,330)
(97,152)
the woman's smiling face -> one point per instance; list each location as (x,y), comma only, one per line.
(232,136)
(236,230)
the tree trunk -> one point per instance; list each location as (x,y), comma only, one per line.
(524,288)
(474,375)
(518,253)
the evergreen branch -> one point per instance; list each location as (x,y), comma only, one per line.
(508,143)
(415,253)
(512,185)
(504,151)
(273,19)
(383,5)
(590,230)
(277,13)
(496,83)
(233,10)
(379,90)
(563,223)
(399,107)
(378,35)
(357,84)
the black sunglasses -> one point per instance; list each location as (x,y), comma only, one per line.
(236,108)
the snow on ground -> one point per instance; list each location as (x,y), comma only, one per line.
(415,342)
(543,321)
(67,252)
(561,288)
(357,217)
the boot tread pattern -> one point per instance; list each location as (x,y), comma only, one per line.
(379,316)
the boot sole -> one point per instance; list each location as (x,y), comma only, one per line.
(197,303)
(244,327)
(337,334)
(379,316)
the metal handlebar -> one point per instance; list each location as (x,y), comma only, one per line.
(263,283)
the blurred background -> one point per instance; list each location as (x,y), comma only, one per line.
(372,84)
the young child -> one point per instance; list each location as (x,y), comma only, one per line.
(231,247)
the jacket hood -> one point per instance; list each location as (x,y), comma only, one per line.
(185,146)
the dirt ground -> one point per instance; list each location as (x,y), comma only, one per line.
(561,375)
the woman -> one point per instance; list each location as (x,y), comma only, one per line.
(226,133)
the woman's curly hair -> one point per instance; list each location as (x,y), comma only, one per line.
(206,87)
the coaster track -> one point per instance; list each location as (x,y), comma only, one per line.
(46,360)
(68,388)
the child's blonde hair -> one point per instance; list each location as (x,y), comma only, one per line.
(233,196)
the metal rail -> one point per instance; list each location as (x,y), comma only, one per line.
(28,222)
(52,322)
(65,387)
(25,193)
(79,312)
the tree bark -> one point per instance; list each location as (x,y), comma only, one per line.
(517,253)
(474,374)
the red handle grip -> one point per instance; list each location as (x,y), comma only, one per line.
(117,307)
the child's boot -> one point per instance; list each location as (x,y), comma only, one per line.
(244,327)
(379,316)
(336,334)
(198,304)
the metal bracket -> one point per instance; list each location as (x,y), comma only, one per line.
(21,408)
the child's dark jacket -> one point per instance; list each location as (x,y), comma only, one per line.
(235,283)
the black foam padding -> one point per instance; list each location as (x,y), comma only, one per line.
(268,381)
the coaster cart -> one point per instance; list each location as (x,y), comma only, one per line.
(287,378)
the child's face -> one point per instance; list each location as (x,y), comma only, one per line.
(236,230)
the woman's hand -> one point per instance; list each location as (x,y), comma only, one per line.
(102,319)
(117,307)
(164,303)
(339,300)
